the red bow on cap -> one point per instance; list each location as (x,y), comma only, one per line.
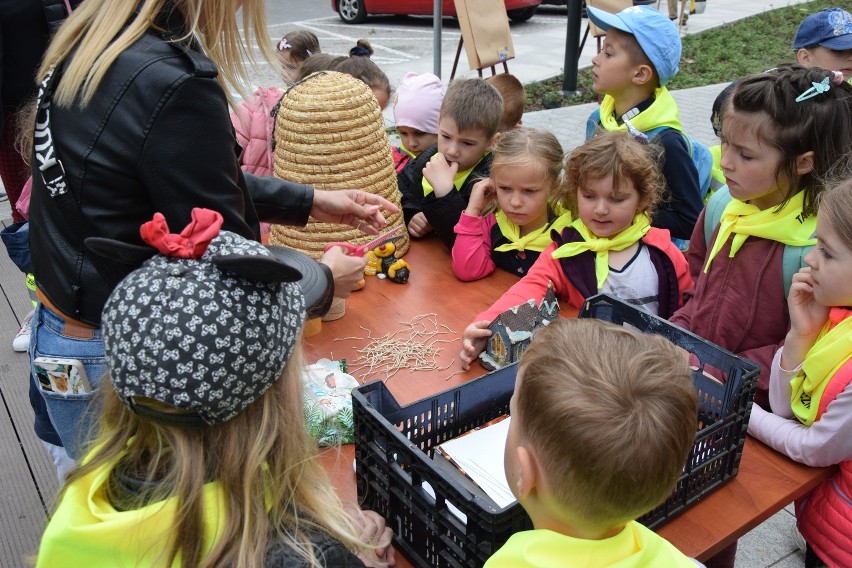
(191,242)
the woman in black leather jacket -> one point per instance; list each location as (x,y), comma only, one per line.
(139,122)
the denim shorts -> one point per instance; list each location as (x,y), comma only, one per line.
(70,414)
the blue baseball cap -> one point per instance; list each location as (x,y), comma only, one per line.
(831,28)
(657,35)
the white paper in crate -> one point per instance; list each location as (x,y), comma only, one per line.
(479,455)
(328,403)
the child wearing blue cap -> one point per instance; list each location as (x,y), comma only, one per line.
(824,40)
(640,55)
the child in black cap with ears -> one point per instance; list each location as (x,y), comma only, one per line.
(202,457)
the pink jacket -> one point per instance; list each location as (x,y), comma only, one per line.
(253,123)
(546,269)
(824,515)
(472,249)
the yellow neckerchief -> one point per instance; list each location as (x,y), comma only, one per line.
(458,181)
(832,350)
(745,220)
(634,547)
(86,530)
(406,150)
(662,112)
(536,240)
(601,246)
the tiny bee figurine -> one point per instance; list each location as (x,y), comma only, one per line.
(382,262)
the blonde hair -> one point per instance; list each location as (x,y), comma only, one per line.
(626,403)
(473,104)
(617,154)
(522,147)
(273,488)
(835,208)
(98,31)
(514,99)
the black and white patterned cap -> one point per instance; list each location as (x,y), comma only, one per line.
(197,336)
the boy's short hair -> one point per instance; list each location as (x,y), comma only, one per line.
(655,34)
(830,28)
(473,104)
(514,99)
(611,415)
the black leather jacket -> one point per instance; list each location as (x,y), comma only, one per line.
(156,137)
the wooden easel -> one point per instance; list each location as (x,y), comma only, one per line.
(485,35)
(479,69)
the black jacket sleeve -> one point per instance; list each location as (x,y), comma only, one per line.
(280,201)
(410,182)
(682,204)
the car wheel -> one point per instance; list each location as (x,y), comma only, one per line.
(521,14)
(352,11)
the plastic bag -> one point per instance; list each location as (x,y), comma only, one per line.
(328,403)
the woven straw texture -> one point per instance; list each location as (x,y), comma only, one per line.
(329,133)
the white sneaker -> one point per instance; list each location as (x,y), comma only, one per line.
(22,340)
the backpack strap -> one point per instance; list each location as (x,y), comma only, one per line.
(792,260)
(593,123)
(713,212)
(49,167)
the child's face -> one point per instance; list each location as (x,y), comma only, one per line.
(415,141)
(613,67)
(749,164)
(831,267)
(289,67)
(830,59)
(462,147)
(382,97)
(522,195)
(605,212)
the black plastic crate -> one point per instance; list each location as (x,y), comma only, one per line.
(442,519)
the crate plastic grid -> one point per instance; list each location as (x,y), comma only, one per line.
(394,445)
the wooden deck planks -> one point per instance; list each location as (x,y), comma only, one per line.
(28,482)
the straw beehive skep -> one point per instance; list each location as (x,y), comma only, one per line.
(329,133)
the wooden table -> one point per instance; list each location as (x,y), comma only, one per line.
(767,481)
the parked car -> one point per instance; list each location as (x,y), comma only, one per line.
(356,11)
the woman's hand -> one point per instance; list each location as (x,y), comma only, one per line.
(473,342)
(481,195)
(807,318)
(419,225)
(375,532)
(441,174)
(348,271)
(353,207)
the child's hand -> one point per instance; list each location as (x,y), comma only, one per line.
(441,174)
(473,342)
(481,195)
(375,532)
(807,318)
(348,271)
(419,225)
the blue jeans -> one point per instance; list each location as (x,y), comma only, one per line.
(71,415)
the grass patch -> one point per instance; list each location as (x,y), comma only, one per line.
(713,56)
